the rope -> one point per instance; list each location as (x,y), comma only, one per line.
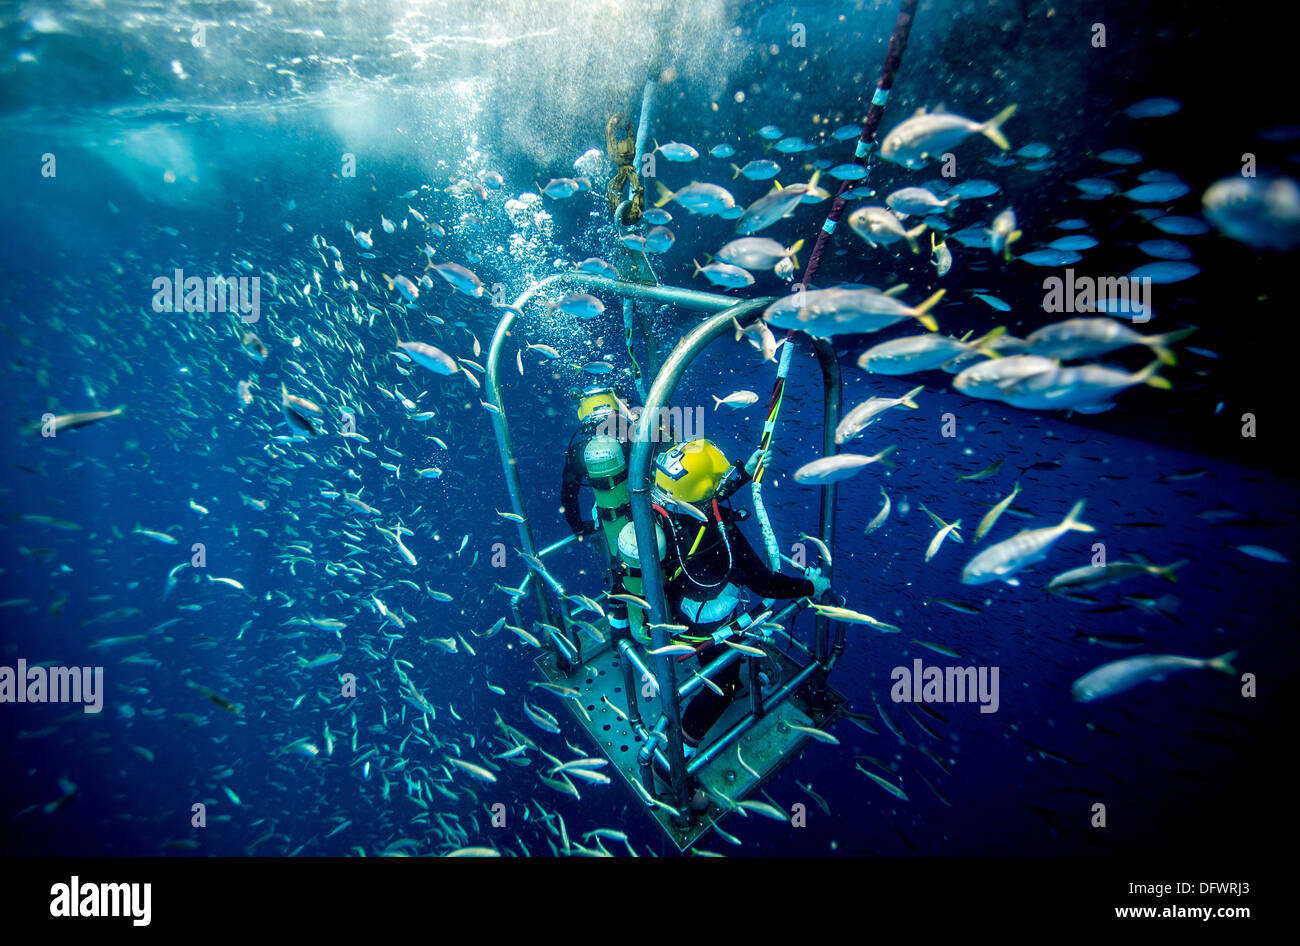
(867,140)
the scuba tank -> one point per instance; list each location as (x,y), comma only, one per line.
(631,560)
(607,472)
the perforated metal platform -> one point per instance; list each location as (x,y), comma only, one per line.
(768,746)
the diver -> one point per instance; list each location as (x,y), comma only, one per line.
(598,414)
(709,564)
(598,456)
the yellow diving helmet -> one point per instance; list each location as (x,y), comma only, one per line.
(691,471)
(596,399)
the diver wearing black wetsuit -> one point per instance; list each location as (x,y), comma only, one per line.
(575,478)
(704,588)
(595,411)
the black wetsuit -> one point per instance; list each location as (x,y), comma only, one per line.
(702,577)
(575,475)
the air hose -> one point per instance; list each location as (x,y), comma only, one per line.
(764,444)
(864,150)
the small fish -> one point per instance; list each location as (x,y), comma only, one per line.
(939,648)
(937,542)
(541,718)
(671,650)
(941,256)
(821,802)
(156,536)
(764,809)
(709,683)
(838,467)
(836,613)
(724,274)
(758,170)
(870,411)
(429,357)
(598,267)
(881,516)
(821,546)
(560,188)
(546,350)
(73,421)
(958,606)
(735,400)
(321,661)
(1262,553)
(632,599)
(993,514)
(579,304)
(63,524)
(1096,576)
(819,734)
(1158,107)
(925,137)
(1120,156)
(993,301)
(459,278)
(477,771)
(999,562)
(984,473)
(676,151)
(879,226)
(1003,232)
(886,785)
(1112,678)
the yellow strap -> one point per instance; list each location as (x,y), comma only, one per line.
(699,536)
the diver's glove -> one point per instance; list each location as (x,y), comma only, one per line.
(588,528)
(820,584)
(752,463)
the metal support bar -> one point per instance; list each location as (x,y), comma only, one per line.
(689,686)
(630,662)
(716,666)
(648,96)
(652,579)
(705,756)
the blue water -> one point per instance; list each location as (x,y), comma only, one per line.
(174,156)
